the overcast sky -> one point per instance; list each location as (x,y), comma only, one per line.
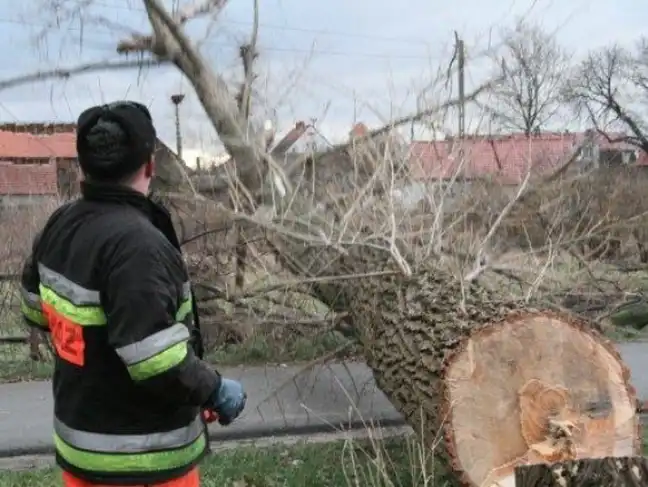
(338,61)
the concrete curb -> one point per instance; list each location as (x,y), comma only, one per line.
(256,433)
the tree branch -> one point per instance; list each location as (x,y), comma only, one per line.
(66,73)
(141,43)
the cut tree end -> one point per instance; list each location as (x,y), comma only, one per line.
(603,472)
(536,388)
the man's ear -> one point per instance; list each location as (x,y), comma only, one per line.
(149,169)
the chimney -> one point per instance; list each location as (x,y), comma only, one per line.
(359,130)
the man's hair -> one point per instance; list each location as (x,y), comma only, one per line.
(114,141)
(107,144)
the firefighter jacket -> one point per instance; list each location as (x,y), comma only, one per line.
(107,279)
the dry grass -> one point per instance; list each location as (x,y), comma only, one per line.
(353,462)
(389,462)
(543,249)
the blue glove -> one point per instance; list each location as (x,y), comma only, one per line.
(228,401)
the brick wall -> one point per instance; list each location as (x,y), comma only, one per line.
(35,128)
(28,179)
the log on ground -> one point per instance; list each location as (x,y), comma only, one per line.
(504,385)
(599,472)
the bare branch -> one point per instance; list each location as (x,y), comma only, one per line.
(141,43)
(239,137)
(248,53)
(609,89)
(66,73)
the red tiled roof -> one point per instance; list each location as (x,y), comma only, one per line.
(359,130)
(506,159)
(610,142)
(20,145)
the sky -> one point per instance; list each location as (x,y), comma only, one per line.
(337,62)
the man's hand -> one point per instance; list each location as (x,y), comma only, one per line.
(228,401)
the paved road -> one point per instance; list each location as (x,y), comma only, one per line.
(321,399)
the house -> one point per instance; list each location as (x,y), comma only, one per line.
(38,161)
(32,160)
(507,159)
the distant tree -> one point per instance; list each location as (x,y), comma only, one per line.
(529,95)
(610,90)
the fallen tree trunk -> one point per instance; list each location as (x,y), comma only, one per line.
(500,382)
(602,472)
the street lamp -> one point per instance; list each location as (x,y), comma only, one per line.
(176,100)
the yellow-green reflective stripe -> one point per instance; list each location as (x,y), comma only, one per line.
(153,344)
(67,289)
(35,316)
(81,315)
(184,310)
(159,363)
(130,462)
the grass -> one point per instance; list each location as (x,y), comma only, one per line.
(261,350)
(394,462)
(400,462)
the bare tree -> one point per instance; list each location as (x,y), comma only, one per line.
(529,95)
(610,90)
(421,320)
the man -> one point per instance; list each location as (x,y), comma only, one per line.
(107,278)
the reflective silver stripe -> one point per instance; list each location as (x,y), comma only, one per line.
(185,311)
(65,288)
(103,443)
(32,300)
(186,290)
(153,344)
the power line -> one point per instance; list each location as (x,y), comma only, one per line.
(325,52)
(326,32)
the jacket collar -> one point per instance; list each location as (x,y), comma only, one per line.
(114,193)
(118,194)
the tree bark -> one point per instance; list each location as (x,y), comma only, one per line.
(599,472)
(491,375)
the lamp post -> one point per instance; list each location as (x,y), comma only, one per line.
(176,100)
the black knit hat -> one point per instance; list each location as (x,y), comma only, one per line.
(115,140)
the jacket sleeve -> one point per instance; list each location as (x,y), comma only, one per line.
(143,304)
(30,303)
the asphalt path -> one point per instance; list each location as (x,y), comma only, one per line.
(283,400)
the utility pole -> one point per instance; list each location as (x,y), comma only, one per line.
(461,62)
(176,100)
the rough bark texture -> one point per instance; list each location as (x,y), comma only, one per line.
(411,330)
(408,327)
(589,472)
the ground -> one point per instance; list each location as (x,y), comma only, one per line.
(393,462)
(341,463)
